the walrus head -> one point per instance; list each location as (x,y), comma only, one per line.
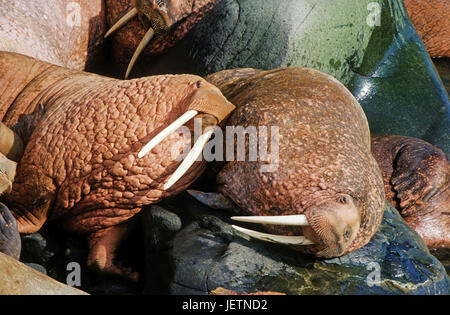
(328,229)
(161,17)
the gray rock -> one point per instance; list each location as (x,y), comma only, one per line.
(207,254)
(159,226)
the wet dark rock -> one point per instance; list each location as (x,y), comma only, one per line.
(159,226)
(207,254)
(35,249)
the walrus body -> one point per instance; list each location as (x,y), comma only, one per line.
(417,182)
(83,133)
(430,19)
(415,173)
(65,32)
(324,163)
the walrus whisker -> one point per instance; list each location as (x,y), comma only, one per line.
(123,20)
(293,220)
(280,239)
(147,38)
(190,159)
(166,132)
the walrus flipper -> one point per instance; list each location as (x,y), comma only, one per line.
(419,170)
(10,243)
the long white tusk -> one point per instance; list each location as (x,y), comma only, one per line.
(167,131)
(288,240)
(144,42)
(296,220)
(124,19)
(190,158)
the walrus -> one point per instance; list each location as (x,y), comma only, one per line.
(326,196)
(66,33)
(416,178)
(160,25)
(430,18)
(321,175)
(82,135)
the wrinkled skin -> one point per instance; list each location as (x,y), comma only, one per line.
(82,134)
(416,180)
(326,170)
(49,30)
(170,27)
(431,20)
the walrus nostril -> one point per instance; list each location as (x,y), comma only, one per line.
(343,199)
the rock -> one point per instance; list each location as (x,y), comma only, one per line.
(35,249)
(159,226)
(386,67)
(18,279)
(207,254)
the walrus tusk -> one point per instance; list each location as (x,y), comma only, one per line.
(166,132)
(123,20)
(147,38)
(294,220)
(190,158)
(288,240)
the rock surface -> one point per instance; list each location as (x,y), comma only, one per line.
(207,254)
(191,249)
(18,279)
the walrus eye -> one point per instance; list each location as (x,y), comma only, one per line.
(199,84)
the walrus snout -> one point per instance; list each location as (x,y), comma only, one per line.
(333,225)
(209,105)
(158,17)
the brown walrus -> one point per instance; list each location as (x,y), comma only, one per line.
(161,25)
(318,161)
(83,134)
(326,176)
(66,33)
(431,20)
(417,182)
